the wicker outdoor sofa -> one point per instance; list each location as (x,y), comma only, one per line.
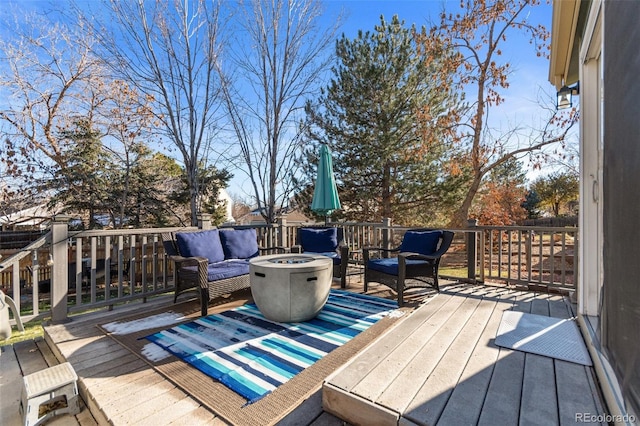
(215,262)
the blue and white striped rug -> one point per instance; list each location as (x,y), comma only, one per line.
(253,356)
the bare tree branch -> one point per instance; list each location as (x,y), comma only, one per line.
(169,50)
(270,74)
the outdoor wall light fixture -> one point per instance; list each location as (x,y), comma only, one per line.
(565,96)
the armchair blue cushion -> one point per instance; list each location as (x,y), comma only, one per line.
(331,254)
(203,244)
(421,242)
(390,265)
(319,240)
(239,244)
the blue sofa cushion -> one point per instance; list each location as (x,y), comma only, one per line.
(226,269)
(390,265)
(239,244)
(421,242)
(320,240)
(202,243)
(332,254)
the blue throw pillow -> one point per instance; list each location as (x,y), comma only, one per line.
(422,242)
(319,240)
(239,244)
(203,243)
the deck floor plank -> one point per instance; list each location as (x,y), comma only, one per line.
(199,416)
(183,410)
(523,302)
(46,352)
(559,308)
(326,419)
(98,357)
(374,383)
(432,398)
(539,404)
(150,405)
(29,357)
(502,401)
(126,404)
(569,377)
(374,355)
(79,347)
(403,389)
(129,378)
(112,382)
(134,382)
(468,396)
(93,347)
(540,305)
(106,364)
(10,382)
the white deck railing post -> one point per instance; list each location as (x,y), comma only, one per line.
(59,274)
(282,232)
(204,221)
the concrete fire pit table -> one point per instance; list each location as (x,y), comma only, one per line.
(290,287)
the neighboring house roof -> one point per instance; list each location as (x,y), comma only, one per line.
(298,217)
(32,216)
(38,215)
(255,218)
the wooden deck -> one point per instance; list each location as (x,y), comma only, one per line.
(440,366)
(462,376)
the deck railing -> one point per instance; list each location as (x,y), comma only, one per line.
(542,256)
(65,272)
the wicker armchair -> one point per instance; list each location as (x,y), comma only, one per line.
(192,273)
(327,241)
(413,264)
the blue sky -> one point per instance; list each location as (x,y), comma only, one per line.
(365,14)
(529,76)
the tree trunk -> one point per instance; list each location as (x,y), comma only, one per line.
(386,192)
(461,215)
(192,179)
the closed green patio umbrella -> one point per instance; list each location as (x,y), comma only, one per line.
(325,193)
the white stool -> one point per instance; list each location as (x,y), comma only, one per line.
(48,393)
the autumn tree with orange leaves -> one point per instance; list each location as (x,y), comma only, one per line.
(477,34)
(500,200)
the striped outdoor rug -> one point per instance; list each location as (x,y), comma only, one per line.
(253,356)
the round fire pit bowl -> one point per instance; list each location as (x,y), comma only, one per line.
(290,287)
